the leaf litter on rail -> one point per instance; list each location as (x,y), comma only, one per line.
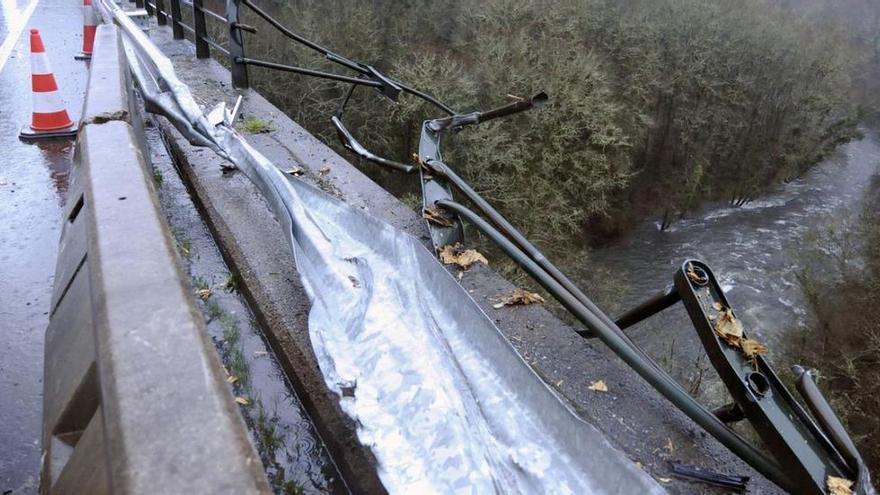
(839,486)
(463,258)
(437,216)
(697,278)
(519,297)
(729,328)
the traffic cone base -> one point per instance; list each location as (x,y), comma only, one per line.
(29,135)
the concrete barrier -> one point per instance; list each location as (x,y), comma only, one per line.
(134,394)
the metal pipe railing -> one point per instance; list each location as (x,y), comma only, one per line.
(658,379)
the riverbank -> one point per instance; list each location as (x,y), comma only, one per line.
(753,249)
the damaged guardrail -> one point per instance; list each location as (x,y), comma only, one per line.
(437,392)
(807,455)
(134,394)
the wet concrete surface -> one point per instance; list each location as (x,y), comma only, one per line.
(294,455)
(33,185)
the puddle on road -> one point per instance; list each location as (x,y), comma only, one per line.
(289,447)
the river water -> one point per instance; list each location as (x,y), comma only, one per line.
(752,250)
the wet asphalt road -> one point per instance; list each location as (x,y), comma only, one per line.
(33,185)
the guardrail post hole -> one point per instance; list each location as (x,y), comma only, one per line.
(236,46)
(201,31)
(161,16)
(176,19)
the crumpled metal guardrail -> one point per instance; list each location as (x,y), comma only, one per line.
(439,395)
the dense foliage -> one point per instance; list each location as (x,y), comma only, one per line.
(656,105)
(841,269)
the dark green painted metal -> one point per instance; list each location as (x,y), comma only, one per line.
(789,433)
(200,30)
(435,187)
(632,355)
(238,70)
(176,20)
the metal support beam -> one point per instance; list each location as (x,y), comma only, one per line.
(236,46)
(176,20)
(201,30)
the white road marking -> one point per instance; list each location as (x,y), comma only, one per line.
(17,20)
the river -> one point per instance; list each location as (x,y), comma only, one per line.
(752,250)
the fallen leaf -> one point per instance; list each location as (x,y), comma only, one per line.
(242,401)
(598,386)
(460,276)
(204,294)
(839,486)
(437,216)
(295,171)
(729,328)
(752,348)
(354,281)
(697,278)
(669,446)
(231,379)
(519,297)
(324,170)
(664,480)
(463,258)
(712,317)
(717,306)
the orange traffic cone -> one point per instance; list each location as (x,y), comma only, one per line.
(90,26)
(50,119)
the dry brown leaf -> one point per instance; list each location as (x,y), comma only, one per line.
(839,486)
(669,446)
(204,294)
(729,328)
(717,306)
(519,297)
(463,258)
(295,171)
(242,401)
(324,170)
(436,216)
(598,386)
(694,276)
(231,379)
(752,348)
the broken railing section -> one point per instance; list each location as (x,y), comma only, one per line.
(537,442)
(804,459)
